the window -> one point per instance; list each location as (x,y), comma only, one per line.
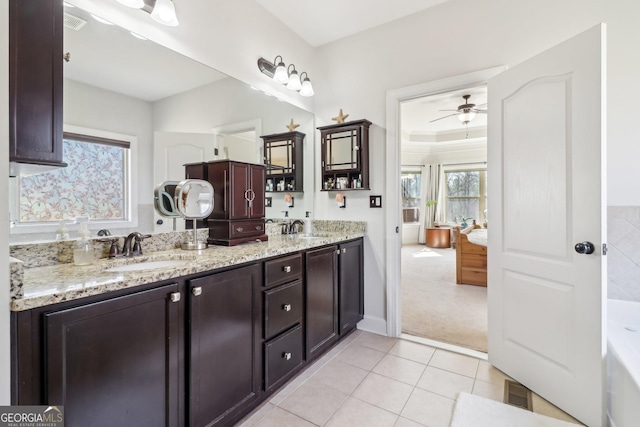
(466,195)
(95,184)
(410,184)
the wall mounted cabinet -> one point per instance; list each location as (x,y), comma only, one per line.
(284,161)
(345,156)
(35,83)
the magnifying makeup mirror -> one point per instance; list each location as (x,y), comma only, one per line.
(193,199)
(163,200)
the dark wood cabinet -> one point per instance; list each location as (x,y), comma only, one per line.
(345,156)
(322,299)
(284,161)
(224,329)
(116,362)
(35,82)
(238,201)
(351,283)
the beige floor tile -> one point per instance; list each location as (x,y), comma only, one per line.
(412,351)
(376,342)
(341,376)
(362,357)
(454,362)
(444,383)
(356,413)
(489,390)
(489,374)
(404,370)
(404,422)
(278,417)
(428,408)
(544,407)
(256,415)
(384,392)
(291,386)
(314,402)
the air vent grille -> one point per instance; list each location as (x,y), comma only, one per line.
(517,395)
(73,22)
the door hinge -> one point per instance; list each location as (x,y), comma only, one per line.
(604,249)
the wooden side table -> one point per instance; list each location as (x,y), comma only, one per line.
(438,237)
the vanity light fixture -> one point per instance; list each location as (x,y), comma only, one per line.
(136,4)
(164,12)
(294,78)
(306,89)
(287,76)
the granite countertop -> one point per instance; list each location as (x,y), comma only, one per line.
(46,285)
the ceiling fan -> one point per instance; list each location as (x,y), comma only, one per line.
(465,112)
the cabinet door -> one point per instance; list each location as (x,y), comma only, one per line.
(258,177)
(322,299)
(351,285)
(225,363)
(116,362)
(35,81)
(238,185)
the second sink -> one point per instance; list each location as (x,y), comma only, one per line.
(147,265)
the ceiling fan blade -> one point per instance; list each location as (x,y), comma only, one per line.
(450,110)
(435,120)
(481,111)
(481,105)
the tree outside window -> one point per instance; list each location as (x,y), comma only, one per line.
(411,206)
(466,195)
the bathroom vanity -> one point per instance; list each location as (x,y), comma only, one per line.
(200,343)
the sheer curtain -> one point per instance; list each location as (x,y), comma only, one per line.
(429,190)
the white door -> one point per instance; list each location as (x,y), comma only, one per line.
(171,151)
(546,162)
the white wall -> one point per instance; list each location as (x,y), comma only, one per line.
(458,37)
(5,376)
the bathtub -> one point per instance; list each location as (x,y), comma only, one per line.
(623,363)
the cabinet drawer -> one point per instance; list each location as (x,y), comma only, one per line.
(282,308)
(282,356)
(282,270)
(223,229)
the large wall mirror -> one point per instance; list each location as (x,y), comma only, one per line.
(179,110)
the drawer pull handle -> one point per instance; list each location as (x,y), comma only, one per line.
(338,251)
(286,269)
(175,296)
(239,229)
(258,227)
(197,291)
(286,307)
(344,250)
(286,356)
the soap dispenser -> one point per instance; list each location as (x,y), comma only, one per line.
(62,233)
(308,229)
(83,251)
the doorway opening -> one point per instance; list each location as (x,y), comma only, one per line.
(443,157)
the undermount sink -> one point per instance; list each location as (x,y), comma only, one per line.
(146,265)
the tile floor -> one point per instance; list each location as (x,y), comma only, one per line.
(369,380)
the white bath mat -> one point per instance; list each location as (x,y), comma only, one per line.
(476,411)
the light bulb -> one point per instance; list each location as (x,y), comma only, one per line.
(280,75)
(307,89)
(294,81)
(164,12)
(467,116)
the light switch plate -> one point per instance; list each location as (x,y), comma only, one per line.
(375,201)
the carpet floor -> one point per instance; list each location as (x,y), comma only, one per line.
(434,306)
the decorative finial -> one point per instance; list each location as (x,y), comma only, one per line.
(292,126)
(340,117)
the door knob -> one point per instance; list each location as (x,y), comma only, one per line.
(585,248)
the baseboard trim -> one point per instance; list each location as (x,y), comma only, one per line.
(375,325)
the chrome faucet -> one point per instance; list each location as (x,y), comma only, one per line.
(292,227)
(136,237)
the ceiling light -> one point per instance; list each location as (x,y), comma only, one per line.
(280,74)
(466,116)
(306,89)
(102,20)
(164,12)
(136,4)
(294,79)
